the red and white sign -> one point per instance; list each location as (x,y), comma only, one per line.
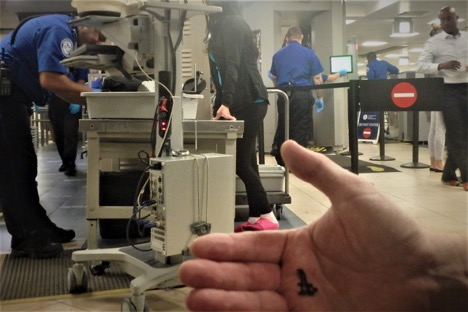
(366,133)
(404,95)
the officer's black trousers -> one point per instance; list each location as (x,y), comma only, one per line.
(19,197)
(65,126)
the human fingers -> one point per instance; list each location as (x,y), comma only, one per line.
(263,246)
(202,273)
(317,169)
(221,300)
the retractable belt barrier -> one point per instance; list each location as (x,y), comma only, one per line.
(413,94)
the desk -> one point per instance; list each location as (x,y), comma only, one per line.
(117,139)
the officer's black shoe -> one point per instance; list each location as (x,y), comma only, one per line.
(62,168)
(58,235)
(70,171)
(49,250)
(274,152)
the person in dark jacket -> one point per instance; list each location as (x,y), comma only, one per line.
(240,95)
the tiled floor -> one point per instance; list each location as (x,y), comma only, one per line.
(419,193)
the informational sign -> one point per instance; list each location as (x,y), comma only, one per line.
(368,127)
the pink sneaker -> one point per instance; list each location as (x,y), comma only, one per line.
(240,228)
(261,225)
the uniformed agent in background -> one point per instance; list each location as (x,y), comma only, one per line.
(296,66)
(379,69)
(33,53)
(65,118)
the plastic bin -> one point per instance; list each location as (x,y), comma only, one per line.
(133,105)
(272,177)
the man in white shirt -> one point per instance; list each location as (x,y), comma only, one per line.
(446,55)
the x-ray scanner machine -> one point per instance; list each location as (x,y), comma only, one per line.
(189,194)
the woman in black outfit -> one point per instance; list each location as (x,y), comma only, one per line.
(241,95)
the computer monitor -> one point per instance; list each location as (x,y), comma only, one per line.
(340,62)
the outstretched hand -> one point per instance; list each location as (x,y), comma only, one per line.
(362,254)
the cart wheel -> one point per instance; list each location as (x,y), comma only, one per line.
(77,279)
(99,269)
(128,306)
(278,210)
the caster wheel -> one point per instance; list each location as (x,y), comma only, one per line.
(278,211)
(100,269)
(128,306)
(77,279)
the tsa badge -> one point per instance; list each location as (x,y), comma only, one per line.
(66,46)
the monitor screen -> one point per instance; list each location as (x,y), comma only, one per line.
(340,62)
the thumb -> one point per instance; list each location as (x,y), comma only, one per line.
(336,183)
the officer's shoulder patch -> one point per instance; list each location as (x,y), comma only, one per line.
(66,46)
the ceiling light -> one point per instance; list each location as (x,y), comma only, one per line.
(403,61)
(373,43)
(350,21)
(394,55)
(403,28)
(416,50)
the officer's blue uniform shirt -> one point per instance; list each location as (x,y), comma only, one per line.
(78,74)
(40,45)
(378,69)
(295,65)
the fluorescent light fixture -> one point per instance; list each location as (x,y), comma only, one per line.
(373,43)
(394,55)
(403,28)
(403,61)
(416,50)
(350,21)
(404,35)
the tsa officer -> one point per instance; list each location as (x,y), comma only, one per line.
(32,55)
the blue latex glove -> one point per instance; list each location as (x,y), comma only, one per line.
(96,84)
(319,105)
(74,108)
(96,90)
(343,72)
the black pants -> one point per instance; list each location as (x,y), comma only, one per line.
(65,126)
(300,120)
(19,198)
(456,124)
(246,158)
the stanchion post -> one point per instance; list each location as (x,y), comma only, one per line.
(415,163)
(353,102)
(382,155)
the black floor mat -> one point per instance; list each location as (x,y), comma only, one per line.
(363,166)
(31,278)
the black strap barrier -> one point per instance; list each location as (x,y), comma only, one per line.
(414,94)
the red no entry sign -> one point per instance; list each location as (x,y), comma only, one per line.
(404,94)
(366,133)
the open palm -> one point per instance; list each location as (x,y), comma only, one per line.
(362,255)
